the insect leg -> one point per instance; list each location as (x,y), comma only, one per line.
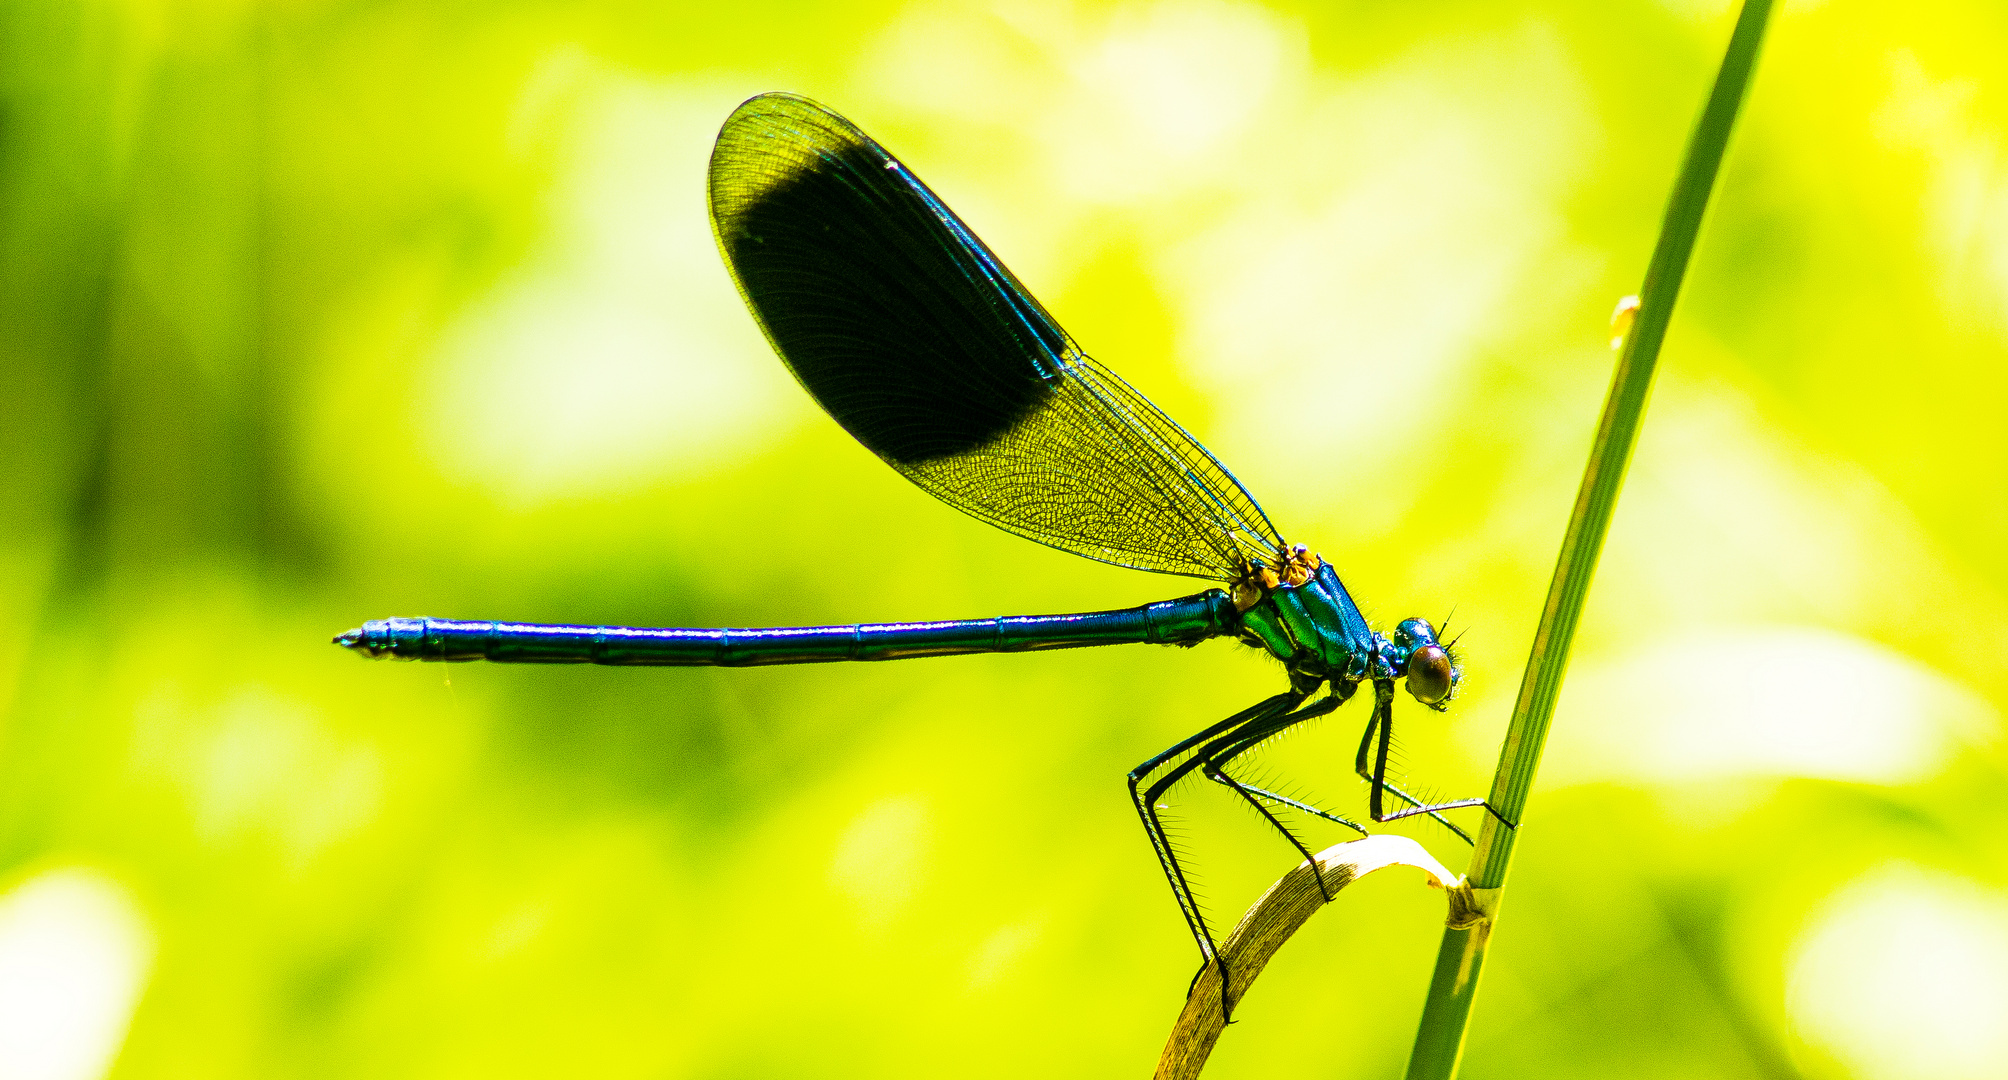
(1225,749)
(1145,800)
(1383,724)
(1342,692)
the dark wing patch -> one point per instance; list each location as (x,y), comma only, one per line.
(916,338)
(899,332)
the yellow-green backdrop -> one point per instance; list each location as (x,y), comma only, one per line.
(316,311)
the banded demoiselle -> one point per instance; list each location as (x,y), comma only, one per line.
(914,336)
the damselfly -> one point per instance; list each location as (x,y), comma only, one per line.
(912,335)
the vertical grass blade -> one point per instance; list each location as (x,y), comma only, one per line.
(1439,1040)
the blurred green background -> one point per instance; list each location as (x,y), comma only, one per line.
(317,312)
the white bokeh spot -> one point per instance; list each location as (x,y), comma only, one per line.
(1903,975)
(1774,703)
(1387,222)
(619,351)
(74,954)
(880,860)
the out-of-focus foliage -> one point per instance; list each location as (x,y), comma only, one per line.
(318,312)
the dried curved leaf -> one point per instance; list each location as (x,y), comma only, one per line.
(1289,904)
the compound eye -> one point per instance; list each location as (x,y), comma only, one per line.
(1429,674)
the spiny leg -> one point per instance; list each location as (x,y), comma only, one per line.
(1298,804)
(1248,739)
(1221,751)
(1383,722)
(1225,750)
(1146,806)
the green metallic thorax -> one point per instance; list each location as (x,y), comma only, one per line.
(1317,630)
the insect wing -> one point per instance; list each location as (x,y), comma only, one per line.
(926,348)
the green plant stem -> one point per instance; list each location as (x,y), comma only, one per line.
(1439,1040)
